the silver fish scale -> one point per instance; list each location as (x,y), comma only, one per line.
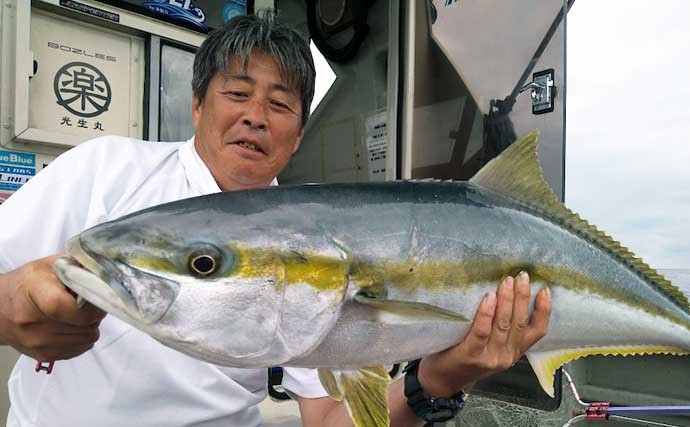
(446,227)
(439,230)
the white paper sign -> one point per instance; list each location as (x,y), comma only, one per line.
(377,145)
(82,81)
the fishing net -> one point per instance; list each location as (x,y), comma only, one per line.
(484,412)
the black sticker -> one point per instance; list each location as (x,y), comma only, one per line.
(82,89)
(90,10)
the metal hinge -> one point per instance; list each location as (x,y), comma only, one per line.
(543,91)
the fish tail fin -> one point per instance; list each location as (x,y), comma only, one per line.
(364,391)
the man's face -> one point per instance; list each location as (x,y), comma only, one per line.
(248,125)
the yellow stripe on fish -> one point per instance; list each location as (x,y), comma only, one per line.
(292,267)
(438,276)
(330,273)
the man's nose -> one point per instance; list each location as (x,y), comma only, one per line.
(255,116)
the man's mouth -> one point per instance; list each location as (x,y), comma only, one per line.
(250,146)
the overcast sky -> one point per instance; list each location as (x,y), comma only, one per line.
(628,124)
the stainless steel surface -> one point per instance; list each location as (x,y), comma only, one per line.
(465,97)
(335,146)
(175,93)
(154,84)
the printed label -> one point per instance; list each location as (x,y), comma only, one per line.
(15,170)
(377,145)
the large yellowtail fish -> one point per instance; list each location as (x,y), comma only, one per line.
(348,278)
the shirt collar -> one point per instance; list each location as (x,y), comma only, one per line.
(198,175)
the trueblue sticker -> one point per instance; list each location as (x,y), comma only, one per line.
(181,10)
(11,158)
(16,169)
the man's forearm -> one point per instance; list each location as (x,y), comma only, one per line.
(401,414)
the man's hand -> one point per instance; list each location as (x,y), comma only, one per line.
(40,318)
(501,334)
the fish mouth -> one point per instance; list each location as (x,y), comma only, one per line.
(89,260)
(145,296)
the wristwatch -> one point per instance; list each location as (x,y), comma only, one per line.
(427,408)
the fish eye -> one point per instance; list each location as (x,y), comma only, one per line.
(203,265)
(204,261)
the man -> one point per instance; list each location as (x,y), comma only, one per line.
(253,84)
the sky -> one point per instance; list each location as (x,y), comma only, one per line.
(628,124)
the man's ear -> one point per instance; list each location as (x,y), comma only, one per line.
(298,140)
(197,107)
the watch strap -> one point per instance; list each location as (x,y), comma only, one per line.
(428,408)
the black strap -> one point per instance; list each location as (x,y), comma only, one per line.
(428,408)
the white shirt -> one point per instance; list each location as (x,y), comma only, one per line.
(127,378)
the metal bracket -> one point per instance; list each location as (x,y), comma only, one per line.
(45,366)
(602,411)
(543,91)
(597,411)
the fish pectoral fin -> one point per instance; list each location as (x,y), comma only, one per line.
(410,309)
(545,363)
(330,383)
(364,391)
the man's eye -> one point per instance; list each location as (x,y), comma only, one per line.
(280,105)
(236,94)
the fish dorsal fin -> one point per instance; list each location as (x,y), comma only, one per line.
(516,174)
